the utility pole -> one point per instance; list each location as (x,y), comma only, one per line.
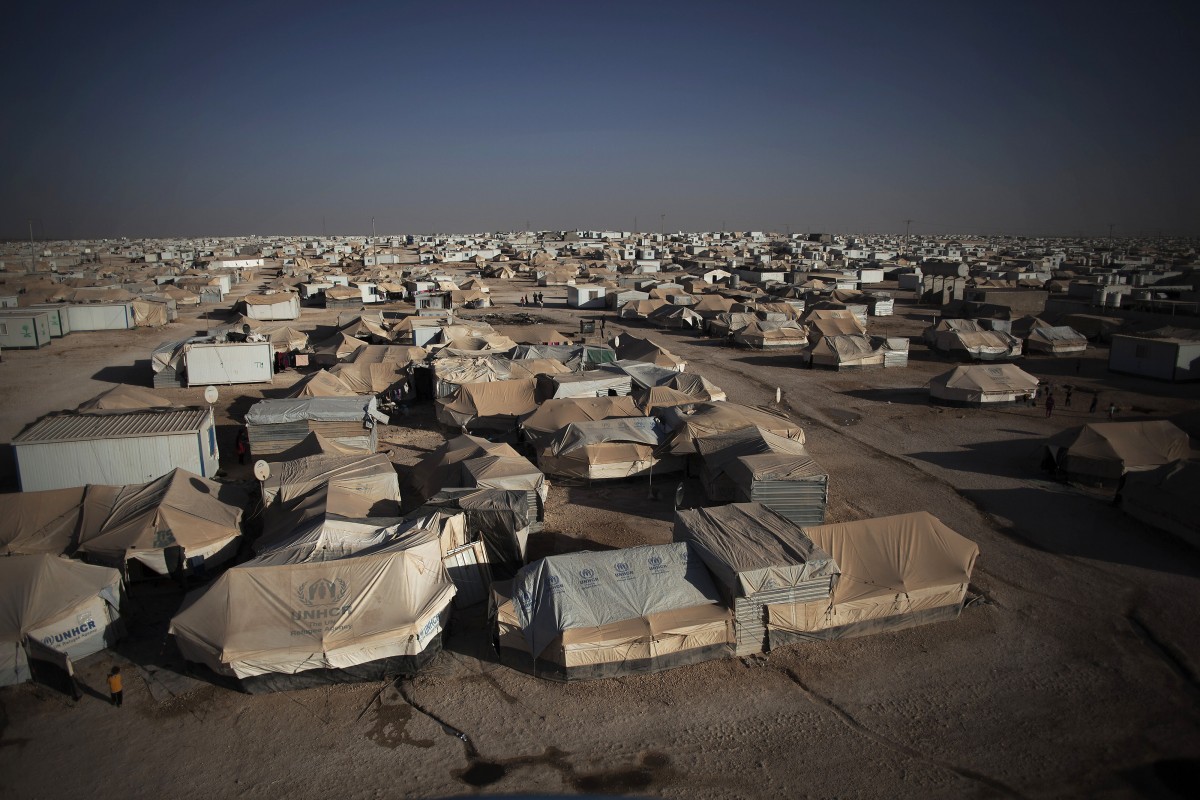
(662,225)
(907,237)
(1110,230)
(32,257)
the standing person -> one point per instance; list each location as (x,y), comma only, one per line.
(1067,401)
(1095,401)
(242,445)
(1049,404)
(1112,410)
(115,689)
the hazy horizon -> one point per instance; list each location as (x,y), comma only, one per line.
(160,121)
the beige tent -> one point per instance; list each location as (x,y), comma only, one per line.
(618,612)
(1100,453)
(1167,498)
(320,384)
(41,522)
(364,617)
(488,406)
(149,314)
(555,414)
(896,572)
(51,603)
(126,397)
(709,419)
(368,378)
(163,525)
(442,468)
(981,384)
(851,351)
(607,449)
(287,338)
(365,485)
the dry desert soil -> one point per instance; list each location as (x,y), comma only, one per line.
(1073,671)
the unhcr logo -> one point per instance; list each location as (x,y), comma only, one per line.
(322,592)
(624,571)
(656,563)
(587,578)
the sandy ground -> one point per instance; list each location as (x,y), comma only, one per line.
(1074,673)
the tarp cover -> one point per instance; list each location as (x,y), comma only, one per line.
(323,409)
(592,590)
(442,468)
(749,548)
(497,404)
(41,522)
(555,414)
(635,430)
(325,615)
(177,510)
(709,419)
(126,397)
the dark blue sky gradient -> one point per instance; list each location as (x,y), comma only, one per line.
(125,119)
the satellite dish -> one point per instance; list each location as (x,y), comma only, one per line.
(246,328)
(262,470)
(210,395)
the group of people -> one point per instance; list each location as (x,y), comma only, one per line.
(538,299)
(1068,390)
(284,360)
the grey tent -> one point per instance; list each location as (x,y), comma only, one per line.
(618,612)
(758,559)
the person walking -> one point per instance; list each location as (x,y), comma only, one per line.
(1067,400)
(1095,402)
(1049,404)
(115,688)
(242,445)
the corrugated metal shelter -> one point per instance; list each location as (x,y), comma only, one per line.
(100,316)
(278,425)
(758,559)
(115,448)
(754,465)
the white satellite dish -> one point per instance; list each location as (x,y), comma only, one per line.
(262,470)
(210,395)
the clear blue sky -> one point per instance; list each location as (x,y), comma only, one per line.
(187,119)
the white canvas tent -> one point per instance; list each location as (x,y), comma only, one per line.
(983,384)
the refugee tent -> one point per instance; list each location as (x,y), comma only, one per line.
(41,522)
(630,347)
(698,387)
(276,426)
(179,522)
(968,338)
(451,373)
(329,521)
(286,339)
(758,558)
(398,354)
(981,384)
(269,307)
(656,398)
(1061,341)
(608,448)
(619,612)
(501,519)
(641,309)
(442,468)
(554,415)
(499,471)
(339,347)
(367,378)
(1167,498)
(125,397)
(377,614)
(495,406)
(755,465)
(605,382)
(148,314)
(896,572)
(675,316)
(51,603)
(710,419)
(371,479)
(641,375)
(320,384)
(1099,453)
(768,335)
(850,351)
(533,367)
